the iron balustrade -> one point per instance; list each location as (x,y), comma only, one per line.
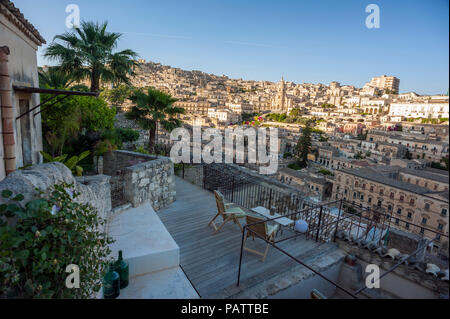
(324,220)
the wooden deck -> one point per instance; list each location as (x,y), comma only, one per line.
(211,261)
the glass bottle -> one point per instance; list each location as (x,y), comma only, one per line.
(111,284)
(121,267)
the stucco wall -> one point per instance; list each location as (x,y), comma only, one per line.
(22,67)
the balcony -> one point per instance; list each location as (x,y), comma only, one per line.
(211,261)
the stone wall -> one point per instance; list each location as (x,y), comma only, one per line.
(145,178)
(94,190)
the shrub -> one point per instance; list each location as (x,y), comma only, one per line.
(49,234)
(127,135)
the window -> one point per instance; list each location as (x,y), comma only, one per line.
(345,192)
(427,206)
(354,194)
(409,215)
(379,203)
(407,226)
(444,212)
(381,191)
(411,202)
(356,184)
(402,198)
(389,207)
(369,200)
(440,227)
(392,195)
(424,220)
(371,188)
(399,211)
(362,196)
(422,231)
(397,221)
(364,186)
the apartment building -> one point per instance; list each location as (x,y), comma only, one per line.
(418,146)
(194,107)
(386,189)
(385,82)
(311,184)
(430,109)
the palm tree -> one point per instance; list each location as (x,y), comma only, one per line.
(54,78)
(153,108)
(87,53)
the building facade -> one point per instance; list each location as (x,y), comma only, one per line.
(21,135)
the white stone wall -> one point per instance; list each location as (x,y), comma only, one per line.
(94,190)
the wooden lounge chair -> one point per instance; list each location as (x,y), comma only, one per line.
(227,212)
(264,230)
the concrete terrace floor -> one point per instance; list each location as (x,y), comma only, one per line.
(211,261)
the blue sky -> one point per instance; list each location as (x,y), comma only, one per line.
(305,41)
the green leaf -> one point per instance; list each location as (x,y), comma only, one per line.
(47,157)
(60,159)
(83,155)
(18,198)
(71,162)
(6,193)
(78,170)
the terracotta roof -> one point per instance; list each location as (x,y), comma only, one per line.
(16,17)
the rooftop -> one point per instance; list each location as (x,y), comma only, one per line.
(22,23)
(381,174)
(432,175)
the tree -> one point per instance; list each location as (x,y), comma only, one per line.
(54,78)
(408,155)
(153,108)
(117,95)
(67,119)
(304,146)
(87,54)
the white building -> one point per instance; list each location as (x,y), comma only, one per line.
(430,109)
(223,115)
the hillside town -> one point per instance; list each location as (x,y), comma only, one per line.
(358,134)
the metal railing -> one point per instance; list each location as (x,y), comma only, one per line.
(325,220)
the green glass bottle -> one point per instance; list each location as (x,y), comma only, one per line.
(111,284)
(121,267)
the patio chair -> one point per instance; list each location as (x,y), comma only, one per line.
(264,230)
(227,213)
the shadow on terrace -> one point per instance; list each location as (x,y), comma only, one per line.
(211,261)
